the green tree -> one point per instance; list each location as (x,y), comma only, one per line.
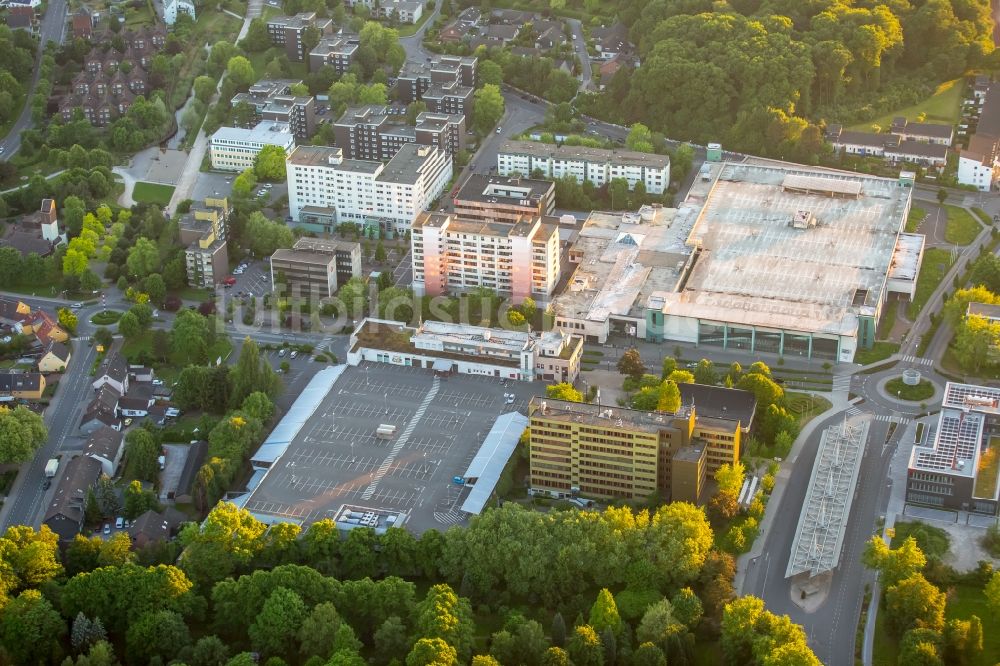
(705,373)
(648,654)
(155,287)
(488,109)
(390,639)
(116,551)
(921,646)
(142,452)
(915,603)
(639,139)
(669,397)
(143,258)
(584,647)
(252,374)
(630,364)
(159,633)
(279,620)
(190,337)
(31,629)
(204,88)
(267,236)
(22,431)
(244,183)
(209,651)
(729,477)
(555,656)
(669,365)
(240,72)
(138,501)
(442,614)
(896,564)
(129,326)
(489,73)
(269,165)
(942,195)
(432,651)
(686,607)
(604,614)
(992,592)
(563,391)
(318,630)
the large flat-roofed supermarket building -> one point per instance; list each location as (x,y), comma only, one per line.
(765,257)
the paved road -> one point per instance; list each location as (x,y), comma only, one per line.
(580,45)
(51,29)
(414,44)
(62,417)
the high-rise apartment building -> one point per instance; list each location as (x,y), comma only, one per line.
(446,84)
(364,190)
(518,260)
(203,231)
(289,31)
(337,51)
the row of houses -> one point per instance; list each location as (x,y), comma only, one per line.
(979,164)
(123,391)
(926,144)
(101,456)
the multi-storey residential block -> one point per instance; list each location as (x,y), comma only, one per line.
(519,260)
(724,416)
(979,165)
(203,231)
(288,31)
(366,190)
(611,452)
(958,468)
(446,84)
(366,132)
(236,148)
(315,266)
(337,51)
(504,199)
(596,165)
(272,100)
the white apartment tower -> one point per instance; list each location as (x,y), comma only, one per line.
(359,190)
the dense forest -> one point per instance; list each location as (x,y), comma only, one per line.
(763,76)
(626,587)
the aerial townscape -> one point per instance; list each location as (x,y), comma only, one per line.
(500,333)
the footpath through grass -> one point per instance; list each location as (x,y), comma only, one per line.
(961,228)
(152,193)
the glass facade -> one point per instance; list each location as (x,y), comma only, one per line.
(712,334)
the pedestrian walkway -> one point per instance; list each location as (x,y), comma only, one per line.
(842,382)
(915,359)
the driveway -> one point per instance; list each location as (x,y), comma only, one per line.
(580,44)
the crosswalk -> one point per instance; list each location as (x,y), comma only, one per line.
(842,383)
(882,418)
(452,517)
(909,358)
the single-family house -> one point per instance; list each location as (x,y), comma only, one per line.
(55,358)
(44,327)
(65,514)
(21,386)
(105,445)
(14,313)
(113,372)
(197,452)
(611,41)
(155,526)
(21,19)
(141,373)
(137,402)
(101,411)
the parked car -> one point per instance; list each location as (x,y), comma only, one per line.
(46,484)
(119,523)
(281,352)
(157,382)
(107,528)
(128,422)
(230,280)
(293,354)
(76,306)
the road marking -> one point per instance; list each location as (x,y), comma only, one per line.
(909,358)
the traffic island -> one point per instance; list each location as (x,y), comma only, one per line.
(909,387)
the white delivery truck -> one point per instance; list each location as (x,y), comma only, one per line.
(385,431)
(51,467)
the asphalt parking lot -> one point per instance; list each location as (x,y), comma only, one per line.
(336,458)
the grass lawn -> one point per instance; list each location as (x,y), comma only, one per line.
(962,228)
(921,391)
(887,320)
(223,347)
(879,352)
(965,601)
(106,318)
(885,648)
(914,219)
(410,29)
(944,106)
(805,406)
(153,193)
(936,263)
(933,541)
